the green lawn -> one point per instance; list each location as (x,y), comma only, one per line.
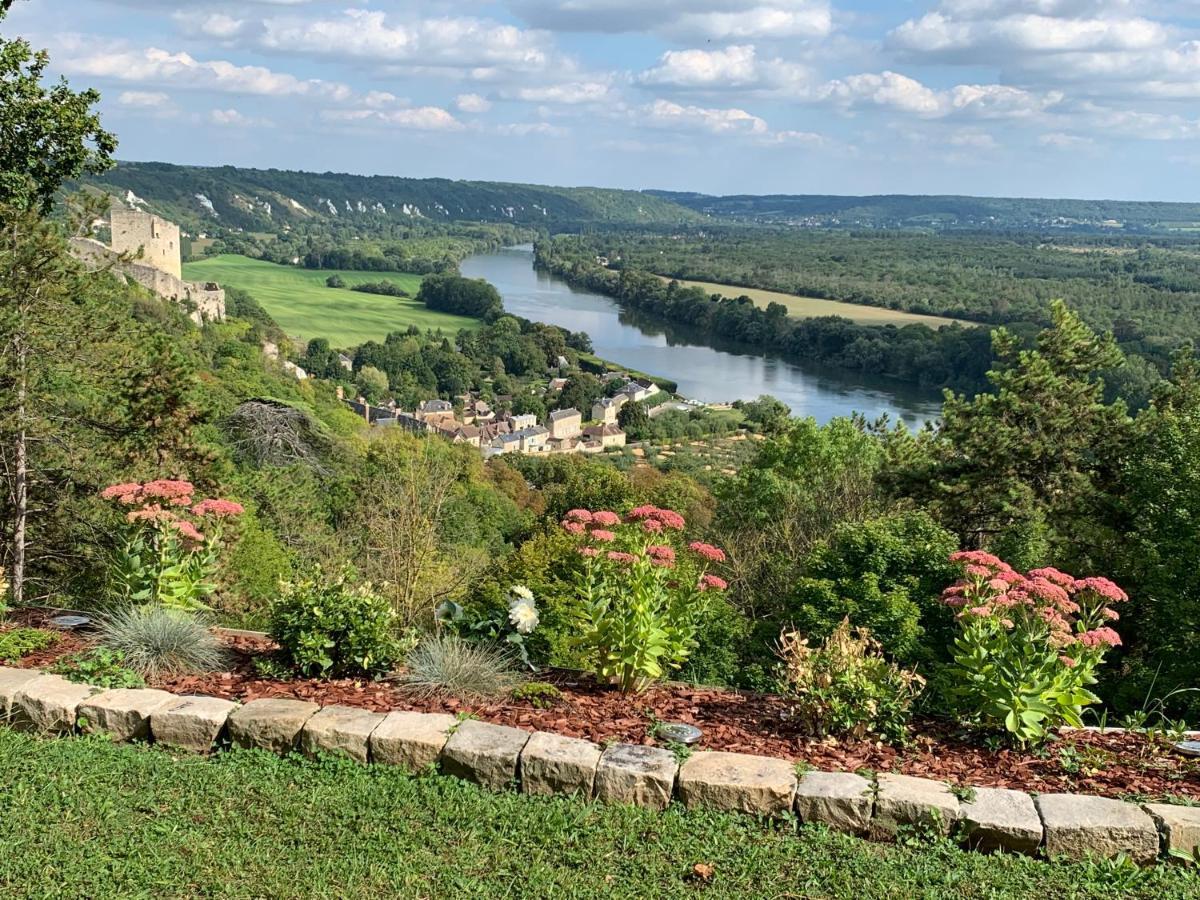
(811,307)
(302,305)
(85,818)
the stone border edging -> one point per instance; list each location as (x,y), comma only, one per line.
(499,757)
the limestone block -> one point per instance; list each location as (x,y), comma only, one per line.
(914,802)
(191,723)
(841,800)
(11,681)
(553,764)
(1178,826)
(411,740)
(1078,825)
(737,782)
(632,773)
(484,753)
(272,724)
(340,729)
(123,713)
(48,704)
(998,819)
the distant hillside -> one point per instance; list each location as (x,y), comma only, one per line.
(202,198)
(911,211)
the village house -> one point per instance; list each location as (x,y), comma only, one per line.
(640,389)
(604,435)
(525,420)
(566,423)
(533,440)
(434,409)
(556,384)
(605,409)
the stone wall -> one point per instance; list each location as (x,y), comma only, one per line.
(156,239)
(882,808)
(205,301)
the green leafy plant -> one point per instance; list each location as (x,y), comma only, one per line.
(537,694)
(846,686)
(332,628)
(447,665)
(511,626)
(20,642)
(639,598)
(164,558)
(156,641)
(99,666)
(1028,645)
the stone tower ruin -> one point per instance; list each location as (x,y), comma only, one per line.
(157,238)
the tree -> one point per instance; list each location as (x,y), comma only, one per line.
(335,281)
(1021,469)
(768,413)
(634,419)
(48,134)
(372,384)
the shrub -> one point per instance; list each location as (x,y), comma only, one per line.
(1028,645)
(21,642)
(332,629)
(164,557)
(512,625)
(155,641)
(448,665)
(846,686)
(537,694)
(99,666)
(639,598)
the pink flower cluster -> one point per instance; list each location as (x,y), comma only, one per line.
(666,518)
(154,498)
(708,551)
(1047,603)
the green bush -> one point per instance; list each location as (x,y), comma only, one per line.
(845,686)
(332,628)
(99,666)
(21,642)
(885,575)
(156,641)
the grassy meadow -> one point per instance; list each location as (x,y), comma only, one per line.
(303,306)
(83,817)
(812,307)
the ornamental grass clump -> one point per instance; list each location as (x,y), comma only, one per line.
(846,687)
(1028,644)
(171,545)
(640,592)
(447,665)
(156,642)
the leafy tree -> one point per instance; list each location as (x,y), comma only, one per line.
(335,281)
(634,419)
(372,384)
(48,134)
(768,413)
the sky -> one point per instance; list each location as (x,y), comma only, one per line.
(1032,98)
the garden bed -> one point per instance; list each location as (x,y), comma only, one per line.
(1113,764)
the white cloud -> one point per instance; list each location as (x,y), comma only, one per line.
(684,19)
(155,66)
(230,117)
(441,42)
(144,99)
(973,140)
(471,103)
(666,114)
(569,92)
(522,129)
(210,24)
(1061,141)
(420,118)
(735,67)
(899,92)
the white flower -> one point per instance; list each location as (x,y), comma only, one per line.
(521,592)
(524,615)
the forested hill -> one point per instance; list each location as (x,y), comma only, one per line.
(945,212)
(201,198)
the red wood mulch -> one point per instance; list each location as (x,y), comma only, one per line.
(1115,765)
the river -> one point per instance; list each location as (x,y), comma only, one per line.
(705,369)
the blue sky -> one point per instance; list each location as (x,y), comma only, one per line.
(1081,98)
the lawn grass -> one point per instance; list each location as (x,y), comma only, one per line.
(811,307)
(303,306)
(81,817)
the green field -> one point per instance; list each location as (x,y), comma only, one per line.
(812,307)
(303,306)
(83,817)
